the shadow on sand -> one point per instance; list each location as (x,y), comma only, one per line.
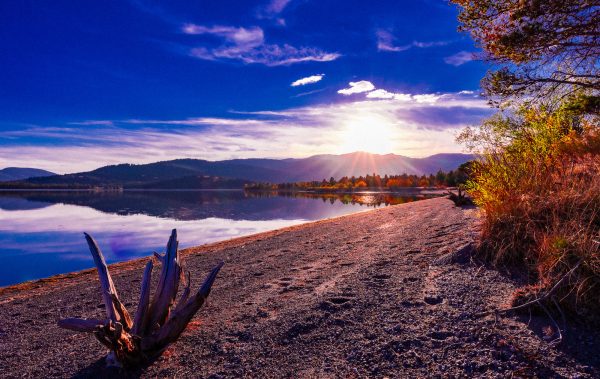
(98,369)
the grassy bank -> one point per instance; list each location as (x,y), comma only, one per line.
(540,195)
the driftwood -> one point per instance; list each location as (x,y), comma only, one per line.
(157,322)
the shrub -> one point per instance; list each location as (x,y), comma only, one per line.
(538,184)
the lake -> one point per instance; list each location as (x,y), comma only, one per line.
(41,232)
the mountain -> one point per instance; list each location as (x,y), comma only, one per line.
(19,173)
(257,170)
(325,166)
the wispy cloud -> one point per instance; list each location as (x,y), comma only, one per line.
(269,55)
(310,92)
(93,122)
(307,80)
(386,42)
(294,132)
(272,10)
(243,37)
(277,6)
(248,46)
(357,87)
(460,58)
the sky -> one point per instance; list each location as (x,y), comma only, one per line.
(84,84)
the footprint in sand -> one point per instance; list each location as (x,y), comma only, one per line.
(284,283)
(381,277)
(336,303)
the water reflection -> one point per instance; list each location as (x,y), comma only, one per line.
(40,232)
(370,199)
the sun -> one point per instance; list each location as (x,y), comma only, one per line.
(369,133)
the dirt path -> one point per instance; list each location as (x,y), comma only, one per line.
(356,296)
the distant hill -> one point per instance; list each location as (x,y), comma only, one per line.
(19,173)
(186,171)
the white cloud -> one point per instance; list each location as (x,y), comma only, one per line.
(460,58)
(372,93)
(386,42)
(308,80)
(383,94)
(380,94)
(357,87)
(248,46)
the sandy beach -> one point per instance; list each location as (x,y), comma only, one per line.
(363,295)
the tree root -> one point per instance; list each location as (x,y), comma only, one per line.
(157,323)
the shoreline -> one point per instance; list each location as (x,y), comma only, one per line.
(138,263)
(364,190)
(104,203)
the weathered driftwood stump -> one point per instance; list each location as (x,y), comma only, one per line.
(156,323)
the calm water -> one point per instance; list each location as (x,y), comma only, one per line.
(41,232)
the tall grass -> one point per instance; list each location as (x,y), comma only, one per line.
(538,184)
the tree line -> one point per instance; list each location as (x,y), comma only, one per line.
(450,178)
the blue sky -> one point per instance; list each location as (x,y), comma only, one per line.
(86,83)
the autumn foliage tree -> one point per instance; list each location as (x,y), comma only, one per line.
(544,48)
(374,181)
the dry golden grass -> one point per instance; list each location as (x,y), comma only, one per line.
(544,212)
